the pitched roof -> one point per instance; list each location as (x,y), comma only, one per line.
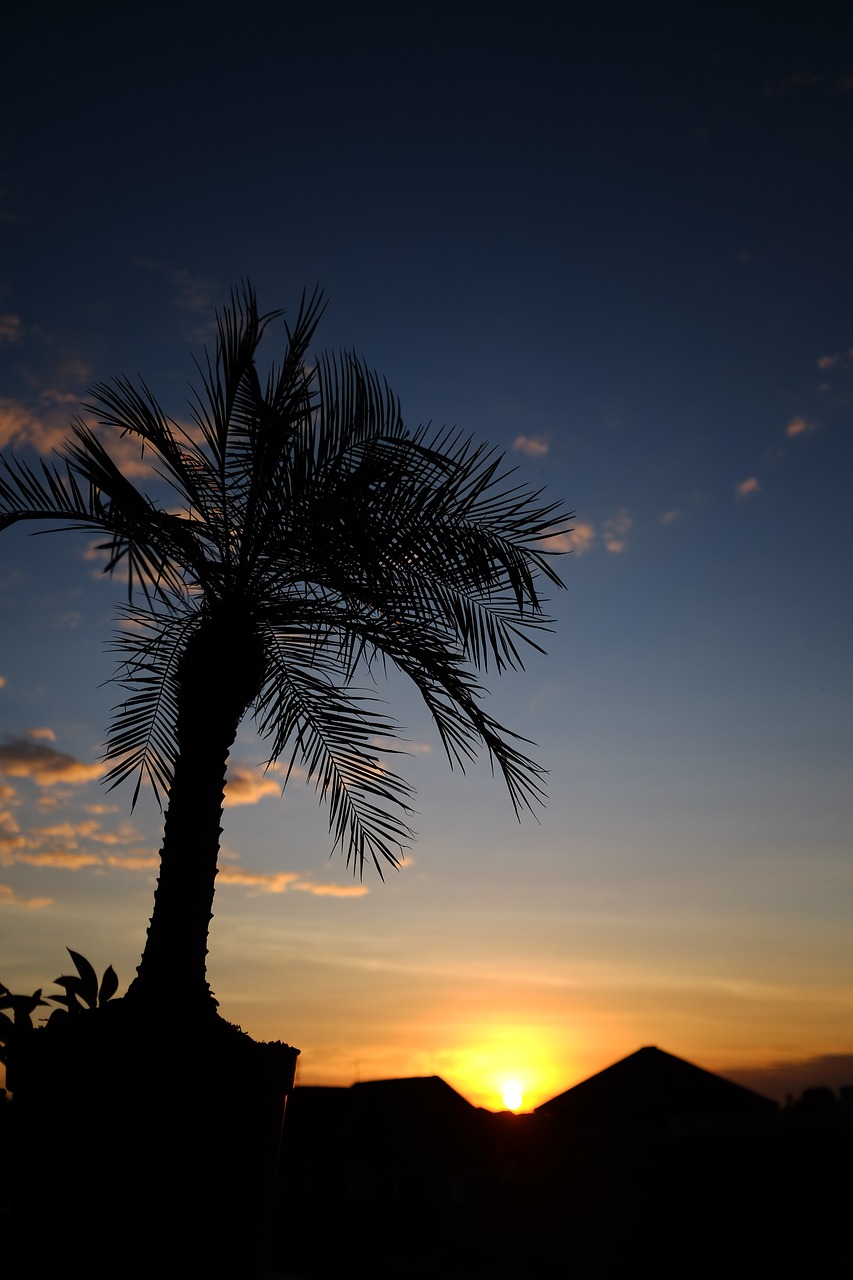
(651,1087)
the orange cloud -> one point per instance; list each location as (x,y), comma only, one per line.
(20,425)
(22,758)
(272,882)
(10,838)
(62,861)
(47,428)
(532,446)
(614,530)
(248,786)
(333,890)
(2,682)
(284,881)
(9,898)
(826,362)
(132,861)
(578,539)
(748,486)
(43,734)
(800,427)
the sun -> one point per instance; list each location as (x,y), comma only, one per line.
(512,1095)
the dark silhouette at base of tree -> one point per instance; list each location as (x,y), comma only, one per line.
(296,540)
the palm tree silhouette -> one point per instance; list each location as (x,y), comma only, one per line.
(307,540)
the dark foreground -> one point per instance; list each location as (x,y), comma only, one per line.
(399,1192)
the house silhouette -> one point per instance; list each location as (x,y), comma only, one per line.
(655,1092)
(652,1167)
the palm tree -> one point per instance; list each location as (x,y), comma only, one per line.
(309,540)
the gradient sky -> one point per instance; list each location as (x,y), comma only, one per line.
(618,248)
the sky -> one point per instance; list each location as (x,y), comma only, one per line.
(617,247)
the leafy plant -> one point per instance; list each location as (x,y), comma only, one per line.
(21,1021)
(81,990)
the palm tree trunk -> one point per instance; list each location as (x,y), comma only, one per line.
(212,698)
(172,971)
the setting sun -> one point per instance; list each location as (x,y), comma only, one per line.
(512,1095)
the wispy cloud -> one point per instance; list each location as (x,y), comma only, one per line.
(2,682)
(670,516)
(826,362)
(800,427)
(42,734)
(10,328)
(194,292)
(331,890)
(283,881)
(9,898)
(21,424)
(11,839)
(23,758)
(615,530)
(746,487)
(195,295)
(532,446)
(796,82)
(59,860)
(132,861)
(260,881)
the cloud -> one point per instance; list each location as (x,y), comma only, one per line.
(9,898)
(248,786)
(670,516)
(10,328)
(614,530)
(332,890)
(23,758)
(532,446)
(800,427)
(790,84)
(59,860)
(43,734)
(399,744)
(578,539)
(10,838)
(2,682)
(132,861)
(826,362)
(283,881)
(22,425)
(263,882)
(194,293)
(782,1079)
(46,429)
(746,487)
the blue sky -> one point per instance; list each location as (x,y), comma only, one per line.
(617,247)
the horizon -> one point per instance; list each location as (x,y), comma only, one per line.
(618,252)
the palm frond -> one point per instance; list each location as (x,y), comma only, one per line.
(142,736)
(329,730)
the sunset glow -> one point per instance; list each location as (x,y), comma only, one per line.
(512,1095)
(618,252)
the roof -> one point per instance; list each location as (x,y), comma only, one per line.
(651,1087)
